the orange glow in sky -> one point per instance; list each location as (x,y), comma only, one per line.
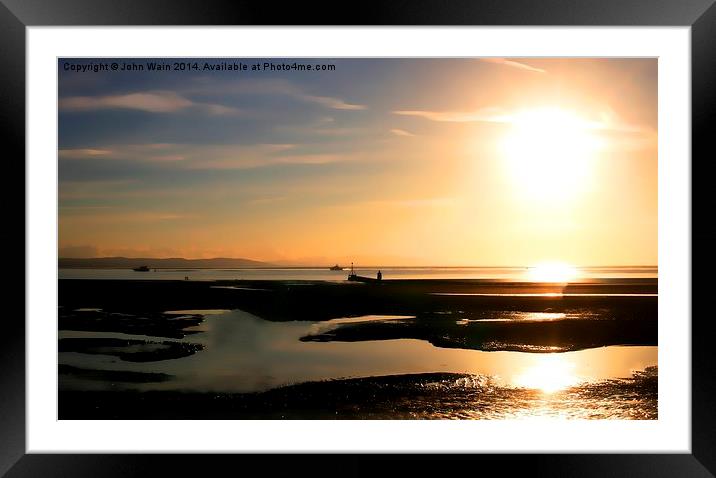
(394,162)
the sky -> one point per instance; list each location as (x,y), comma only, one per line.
(479,162)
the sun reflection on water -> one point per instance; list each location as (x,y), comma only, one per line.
(550,373)
(557,272)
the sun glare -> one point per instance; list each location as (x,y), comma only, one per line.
(550,374)
(552,272)
(549,152)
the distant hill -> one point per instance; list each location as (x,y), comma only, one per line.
(170,263)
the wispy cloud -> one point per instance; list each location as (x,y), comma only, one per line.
(84,153)
(405,202)
(266,200)
(198,157)
(324,127)
(156,102)
(401,132)
(415,202)
(274,87)
(489,115)
(605,120)
(160,152)
(216,109)
(330,102)
(150,101)
(119,216)
(251,158)
(513,64)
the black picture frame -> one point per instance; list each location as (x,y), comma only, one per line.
(700,15)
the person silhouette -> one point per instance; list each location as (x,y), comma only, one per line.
(380,275)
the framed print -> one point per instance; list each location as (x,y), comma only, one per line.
(423,229)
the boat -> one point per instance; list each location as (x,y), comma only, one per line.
(141,269)
(357,278)
(353,277)
(336,268)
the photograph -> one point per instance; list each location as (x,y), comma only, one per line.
(357,238)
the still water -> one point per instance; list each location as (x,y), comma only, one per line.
(244,353)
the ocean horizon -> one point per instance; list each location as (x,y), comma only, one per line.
(325,274)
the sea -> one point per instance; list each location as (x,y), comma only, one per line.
(325,274)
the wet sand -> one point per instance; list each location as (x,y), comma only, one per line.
(575,322)
(130,350)
(416,396)
(467,314)
(305,300)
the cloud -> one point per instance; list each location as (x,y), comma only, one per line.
(157,102)
(401,132)
(151,102)
(308,159)
(274,87)
(330,102)
(401,203)
(83,153)
(266,200)
(217,110)
(488,115)
(608,119)
(259,156)
(324,127)
(335,132)
(513,64)
(605,122)
(207,157)
(415,202)
(101,216)
(140,152)
(169,157)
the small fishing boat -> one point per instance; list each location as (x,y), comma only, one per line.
(141,269)
(357,278)
(353,277)
(336,268)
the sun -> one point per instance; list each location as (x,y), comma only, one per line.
(549,152)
